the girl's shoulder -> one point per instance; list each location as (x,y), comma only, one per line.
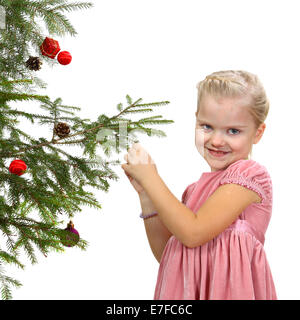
(251,174)
(247,168)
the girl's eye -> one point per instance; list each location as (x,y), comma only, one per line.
(236,131)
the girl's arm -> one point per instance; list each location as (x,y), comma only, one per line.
(218,212)
(157,234)
(177,218)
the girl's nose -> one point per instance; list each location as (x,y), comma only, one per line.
(217,139)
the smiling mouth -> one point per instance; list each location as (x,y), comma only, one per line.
(219,151)
(217,154)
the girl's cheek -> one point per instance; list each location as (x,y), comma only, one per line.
(200,141)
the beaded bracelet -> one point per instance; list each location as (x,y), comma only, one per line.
(148,215)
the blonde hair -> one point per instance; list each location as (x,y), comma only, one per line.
(237,84)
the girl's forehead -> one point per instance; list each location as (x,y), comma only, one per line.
(234,109)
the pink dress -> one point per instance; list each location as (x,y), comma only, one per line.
(233,265)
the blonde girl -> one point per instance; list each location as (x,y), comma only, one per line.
(210,245)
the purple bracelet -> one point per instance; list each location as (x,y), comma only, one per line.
(148,215)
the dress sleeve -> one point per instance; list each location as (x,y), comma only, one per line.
(252,175)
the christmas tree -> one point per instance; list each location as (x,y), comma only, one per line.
(41,183)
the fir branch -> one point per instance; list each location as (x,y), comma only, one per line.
(74,6)
(8,96)
(57,23)
(50,11)
(153,104)
(90,128)
(6,283)
(139,111)
(8,258)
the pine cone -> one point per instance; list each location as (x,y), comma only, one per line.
(62,130)
(34,63)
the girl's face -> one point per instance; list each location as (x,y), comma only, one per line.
(226,126)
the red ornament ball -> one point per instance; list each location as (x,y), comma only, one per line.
(17,167)
(64,57)
(50,47)
(71,236)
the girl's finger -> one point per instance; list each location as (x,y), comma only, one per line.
(133,151)
(137,146)
(132,157)
(128,176)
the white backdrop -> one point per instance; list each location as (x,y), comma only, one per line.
(158,50)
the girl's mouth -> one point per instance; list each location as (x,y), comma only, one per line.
(217,154)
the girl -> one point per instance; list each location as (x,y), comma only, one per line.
(210,245)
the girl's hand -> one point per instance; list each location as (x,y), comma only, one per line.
(140,166)
(138,188)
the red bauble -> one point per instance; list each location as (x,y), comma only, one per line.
(71,236)
(64,57)
(50,48)
(17,167)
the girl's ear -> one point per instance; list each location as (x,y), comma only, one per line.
(259,133)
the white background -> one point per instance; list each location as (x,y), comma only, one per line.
(158,50)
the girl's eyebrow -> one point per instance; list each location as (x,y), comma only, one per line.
(232,126)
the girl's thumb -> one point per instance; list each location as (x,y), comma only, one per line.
(123,166)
